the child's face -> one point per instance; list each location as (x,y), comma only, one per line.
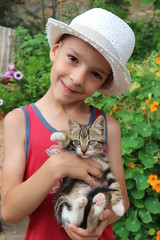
(78,70)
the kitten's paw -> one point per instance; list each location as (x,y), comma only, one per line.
(81,202)
(58,136)
(119,208)
(99,199)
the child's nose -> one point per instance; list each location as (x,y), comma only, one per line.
(78,76)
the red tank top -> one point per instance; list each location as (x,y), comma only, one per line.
(42,224)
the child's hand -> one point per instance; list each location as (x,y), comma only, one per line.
(77,233)
(71,165)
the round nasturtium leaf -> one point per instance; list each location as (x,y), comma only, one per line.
(132,224)
(156,133)
(151,148)
(144,129)
(151,231)
(137,194)
(147,159)
(152,205)
(145,216)
(129,184)
(141,181)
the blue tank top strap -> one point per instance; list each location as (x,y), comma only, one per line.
(27,128)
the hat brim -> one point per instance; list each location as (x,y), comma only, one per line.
(121,76)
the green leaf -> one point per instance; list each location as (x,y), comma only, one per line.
(128,173)
(141,181)
(140,142)
(151,231)
(151,148)
(121,230)
(152,205)
(145,216)
(129,184)
(139,203)
(137,194)
(156,133)
(132,224)
(144,129)
(147,159)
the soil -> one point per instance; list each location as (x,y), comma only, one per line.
(9,231)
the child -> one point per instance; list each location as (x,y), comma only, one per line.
(88,55)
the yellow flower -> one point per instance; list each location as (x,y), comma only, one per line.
(153,106)
(115,108)
(152,179)
(158,60)
(156,186)
(158,74)
(143,110)
(131,68)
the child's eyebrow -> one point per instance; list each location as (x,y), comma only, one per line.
(94,67)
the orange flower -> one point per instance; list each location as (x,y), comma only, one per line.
(156,186)
(143,110)
(153,106)
(147,101)
(158,237)
(131,165)
(158,74)
(158,233)
(152,179)
(115,108)
(158,60)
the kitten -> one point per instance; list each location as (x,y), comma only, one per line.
(76,202)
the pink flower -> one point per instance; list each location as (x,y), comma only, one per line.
(9,74)
(18,75)
(11,66)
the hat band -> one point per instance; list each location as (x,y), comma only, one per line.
(96,37)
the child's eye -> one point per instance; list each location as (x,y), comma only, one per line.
(72,58)
(97,75)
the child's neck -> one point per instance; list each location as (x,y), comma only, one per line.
(49,106)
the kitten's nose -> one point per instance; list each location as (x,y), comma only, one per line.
(84,151)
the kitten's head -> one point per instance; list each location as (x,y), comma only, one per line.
(87,140)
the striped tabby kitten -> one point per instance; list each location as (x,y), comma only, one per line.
(76,202)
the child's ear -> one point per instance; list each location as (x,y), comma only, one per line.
(53,51)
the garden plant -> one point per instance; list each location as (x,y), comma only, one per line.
(137,111)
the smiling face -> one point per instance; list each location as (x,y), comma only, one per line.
(78,70)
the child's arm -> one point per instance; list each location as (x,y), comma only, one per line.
(114,156)
(20,198)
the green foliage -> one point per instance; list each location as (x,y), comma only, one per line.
(32,59)
(140,147)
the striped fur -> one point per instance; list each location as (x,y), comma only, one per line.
(76,202)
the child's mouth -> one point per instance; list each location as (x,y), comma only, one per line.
(66,89)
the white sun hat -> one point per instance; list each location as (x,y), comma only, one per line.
(108,34)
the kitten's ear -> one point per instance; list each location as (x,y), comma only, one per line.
(99,125)
(73,125)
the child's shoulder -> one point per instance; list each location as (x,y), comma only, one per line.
(15,118)
(113,125)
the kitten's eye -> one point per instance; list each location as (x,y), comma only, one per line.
(77,142)
(97,75)
(91,142)
(72,58)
